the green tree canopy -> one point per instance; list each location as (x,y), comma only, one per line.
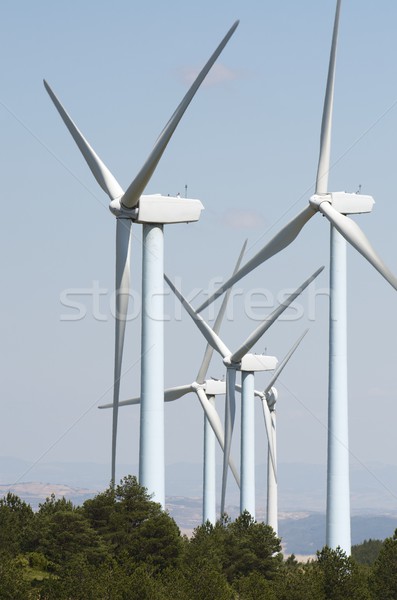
(237,548)
(383,581)
(342,576)
(367,552)
(137,529)
(16,518)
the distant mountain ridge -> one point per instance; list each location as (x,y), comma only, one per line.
(301,496)
(302,487)
(35,493)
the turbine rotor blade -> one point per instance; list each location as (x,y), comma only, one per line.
(230,412)
(269,431)
(123,246)
(280,241)
(129,402)
(212,338)
(136,188)
(170,395)
(264,326)
(177,392)
(268,422)
(326,125)
(281,366)
(217,428)
(356,237)
(201,375)
(104,177)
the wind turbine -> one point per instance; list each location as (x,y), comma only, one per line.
(152,212)
(268,400)
(206,390)
(240,360)
(334,206)
(206,393)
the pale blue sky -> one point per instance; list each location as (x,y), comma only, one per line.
(247,147)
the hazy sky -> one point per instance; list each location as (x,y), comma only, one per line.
(247,148)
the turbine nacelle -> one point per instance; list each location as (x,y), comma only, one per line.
(344,202)
(252,363)
(258,362)
(156,208)
(214,387)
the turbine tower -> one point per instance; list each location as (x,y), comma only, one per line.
(240,360)
(334,206)
(153,212)
(206,391)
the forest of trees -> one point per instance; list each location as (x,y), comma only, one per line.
(122,546)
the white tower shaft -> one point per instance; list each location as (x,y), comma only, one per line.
(338,493)
(247,473)
(209,475)
(151,445)
(272,499)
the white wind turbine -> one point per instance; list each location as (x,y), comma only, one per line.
(152,212)
(334,206)
(206,393)
(240,360)
(206,390)
(268,400)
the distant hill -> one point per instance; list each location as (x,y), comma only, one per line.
(302,490)
(307,535)
(36,492)
(302,487)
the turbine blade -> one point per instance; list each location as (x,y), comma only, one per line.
(355,236)
(169,395)
(268,421)
(123,246)
(130,402)
(217,428)
(177,392)
(212,338)
(134,191)
(201,375)
(104,177)
(230,412)
(280,241)
(264,326)
(281,366)
(269,431)
(326,125)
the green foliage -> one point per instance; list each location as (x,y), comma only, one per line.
(250,547)
(122,546)
(16,518)
(207,541)
(342,576)
(205,580)
(255,587)
(237,548)
(300,581)
(13,585)
(383,582)
(53,505)
(367,552)
(99,510)
(36,567)
(65,534)
(80,580)
(137,529)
